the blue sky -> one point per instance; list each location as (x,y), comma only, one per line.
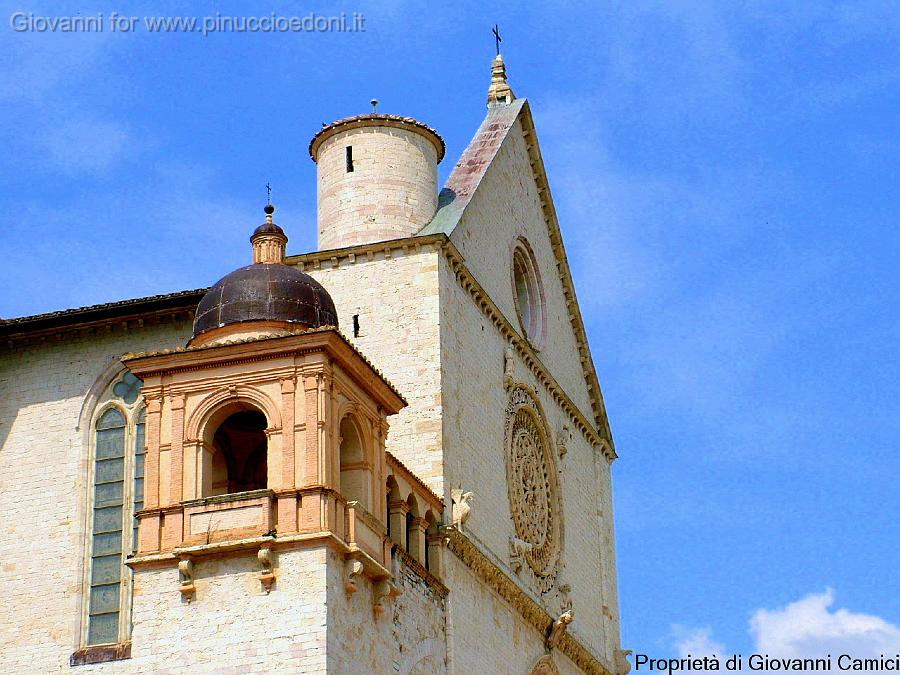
(726,179)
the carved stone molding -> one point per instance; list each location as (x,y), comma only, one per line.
(535,615)
(544,666)
(531,360)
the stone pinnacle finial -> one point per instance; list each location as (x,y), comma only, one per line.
(499,93)
(269,241)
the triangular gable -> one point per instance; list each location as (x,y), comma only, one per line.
(459,190)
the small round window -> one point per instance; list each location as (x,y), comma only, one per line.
(529,295)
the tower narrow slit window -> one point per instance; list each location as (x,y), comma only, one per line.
(349,158)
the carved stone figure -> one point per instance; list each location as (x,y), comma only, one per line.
(461,508)
(623,665)
(559,628)
(517,551)
(508,356)
(563,436)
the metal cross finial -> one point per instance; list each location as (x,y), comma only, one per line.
(268,194)
(497,38)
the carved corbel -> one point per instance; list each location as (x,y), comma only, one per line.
(267,574)
(384,590)
(518,548)
(355,570)
(558,629)
(186,576)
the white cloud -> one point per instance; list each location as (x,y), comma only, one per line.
(810,628)
(696,641)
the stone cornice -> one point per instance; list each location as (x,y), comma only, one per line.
(350,254)
(238,546)
(433,498)
(495,578)
(73,327)
(565,273)
(328,340)
(377,120)
(423,573)
(468,282)
(531,359)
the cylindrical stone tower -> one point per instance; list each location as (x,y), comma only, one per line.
(377,178)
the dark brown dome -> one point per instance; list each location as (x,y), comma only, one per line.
(264,292)
(268,228)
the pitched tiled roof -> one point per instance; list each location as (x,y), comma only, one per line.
(472,166)
(105,311)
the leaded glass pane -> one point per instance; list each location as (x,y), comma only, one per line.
(109,543)
(138,493)
(110,470)
(103,629)
(105,599)
(111,419)
(108,519)
(106,569)
(111,443)
(106,545)
(139,466)
(109,494)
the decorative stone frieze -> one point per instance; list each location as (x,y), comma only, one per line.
(471,555)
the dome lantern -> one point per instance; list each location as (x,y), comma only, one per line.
(263,298)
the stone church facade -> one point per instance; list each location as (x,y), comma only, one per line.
(390,455)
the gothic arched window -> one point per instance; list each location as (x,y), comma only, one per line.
(117,492)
